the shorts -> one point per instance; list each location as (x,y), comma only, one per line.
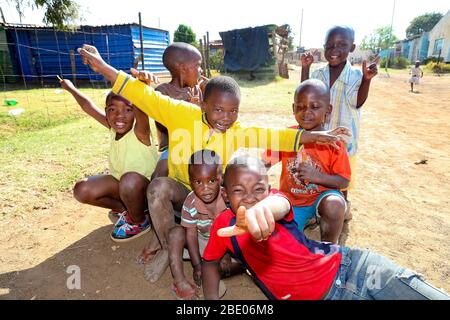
(415,80)
(164,155)
(303,214)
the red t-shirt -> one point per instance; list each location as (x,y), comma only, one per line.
(324,157)
(287,265)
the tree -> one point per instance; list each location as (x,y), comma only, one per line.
(59,13)
(185,34)
(423,23)
(381,38)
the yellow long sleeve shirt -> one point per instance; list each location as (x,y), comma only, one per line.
(190,132)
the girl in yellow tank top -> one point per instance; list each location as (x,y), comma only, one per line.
(132,160)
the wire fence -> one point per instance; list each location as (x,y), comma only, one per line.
(31,58)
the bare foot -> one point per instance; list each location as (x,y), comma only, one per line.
(156,267)
(146,255)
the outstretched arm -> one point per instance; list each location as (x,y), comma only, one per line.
(85,102)
(259,220)
(327,137)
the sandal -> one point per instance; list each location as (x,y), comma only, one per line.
(186,294)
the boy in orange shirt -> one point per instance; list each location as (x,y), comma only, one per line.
(312,177)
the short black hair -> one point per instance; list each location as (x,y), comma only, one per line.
(112,96)
(344,29)
(244,161)
(179,52)
(223,84)
(316,84)
(205,156)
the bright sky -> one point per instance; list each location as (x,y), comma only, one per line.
(202,15)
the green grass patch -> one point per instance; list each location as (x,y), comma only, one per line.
(44,108)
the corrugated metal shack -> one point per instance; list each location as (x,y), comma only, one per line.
(40,53)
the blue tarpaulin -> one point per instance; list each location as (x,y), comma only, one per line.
(245,49)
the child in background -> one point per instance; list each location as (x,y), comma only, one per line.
(201,206)
(183,62)
(132,159)
(416,73)
(191,129)
(259,229)
(349,87)
(313,177)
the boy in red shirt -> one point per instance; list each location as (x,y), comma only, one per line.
(259,230)
(312,177)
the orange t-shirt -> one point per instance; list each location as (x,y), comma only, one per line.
(324,157)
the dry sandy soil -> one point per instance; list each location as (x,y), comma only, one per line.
(400,207)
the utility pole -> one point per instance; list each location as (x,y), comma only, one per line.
(301,26)
(3,17)
(142,42)
(386,65)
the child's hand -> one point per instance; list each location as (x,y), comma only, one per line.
(203,82)
(306,59)
(343,133)
(197,275)
(90,56)
(194,96)
(66,84)
(308,172)
(372,70)
(331,136)
(258,220)
(145,76)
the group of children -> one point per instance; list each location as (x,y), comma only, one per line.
(219,206)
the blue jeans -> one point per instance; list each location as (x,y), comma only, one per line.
(364,275)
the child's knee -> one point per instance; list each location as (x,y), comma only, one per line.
(82,192)
(158,188)
(332,208)
(132,182)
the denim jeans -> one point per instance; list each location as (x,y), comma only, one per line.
(364,275)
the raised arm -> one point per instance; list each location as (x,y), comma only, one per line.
(368,74)
(306,60)
(89,55)
(142,126)
(85,102)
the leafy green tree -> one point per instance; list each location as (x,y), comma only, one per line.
(185,34)
(380,39)
(423,23)
(59,13)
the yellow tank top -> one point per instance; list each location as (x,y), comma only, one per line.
(128,154)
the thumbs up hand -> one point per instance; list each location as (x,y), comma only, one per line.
(258,221)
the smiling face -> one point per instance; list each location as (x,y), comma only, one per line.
(221,109)
(338,46)
(205,180)
(245,186)
(120,116)
(310,107)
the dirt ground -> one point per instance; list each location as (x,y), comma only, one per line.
(400,208)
